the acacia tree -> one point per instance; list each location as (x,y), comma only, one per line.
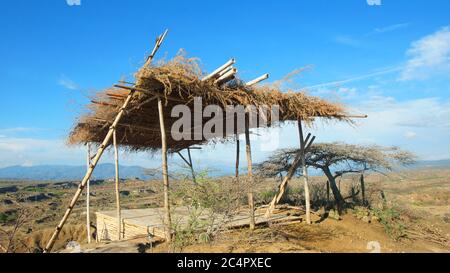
(337,159)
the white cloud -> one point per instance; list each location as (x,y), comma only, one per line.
(391,28)
(67,83)
(378,72)
(410,135)
(346,40)
(427,56)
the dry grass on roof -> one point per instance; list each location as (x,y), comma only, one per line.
(180,78)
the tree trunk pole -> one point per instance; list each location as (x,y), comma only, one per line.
(305,173)
(165,172)
(328,192)
(88,174)
(238,147)
(339,200)
(116,164)
(248,149)
(363,189)
(88,195)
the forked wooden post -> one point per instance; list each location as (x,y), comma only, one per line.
(117,189)
(282,188)
(305,173)
(248,149)
(283,185)
(89,172)
(165,172)
(88,194)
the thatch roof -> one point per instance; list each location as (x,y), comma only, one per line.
(179,81)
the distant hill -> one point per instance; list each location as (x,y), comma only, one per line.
(433,164)
(68,173)
(106,171)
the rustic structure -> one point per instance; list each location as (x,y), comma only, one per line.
(137,116)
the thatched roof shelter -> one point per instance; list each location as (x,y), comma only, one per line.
(179,81)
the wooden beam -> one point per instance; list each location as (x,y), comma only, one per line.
(88,174)
(283,185)
(248,149)
(149,92)
(117,186)
(303,146)
(165,173)
(88,194)
(158,44)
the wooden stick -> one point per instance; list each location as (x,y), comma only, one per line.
(305,173)
(258,80)
(155,49)
(220,69)
(165,172)
(283,185)
(88,195)
(88,174)
(116,165)
(251,202)
(149,92)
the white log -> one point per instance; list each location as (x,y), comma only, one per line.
(227,76)
(218,70)
(258,80)
(223,72)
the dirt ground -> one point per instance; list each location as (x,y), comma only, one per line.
(422,199)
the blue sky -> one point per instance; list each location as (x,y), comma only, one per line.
(390,61)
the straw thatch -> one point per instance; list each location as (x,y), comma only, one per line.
(179,81)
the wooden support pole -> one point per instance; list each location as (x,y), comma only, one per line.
(251,202)
(155,49)
(283,185)
(305,173)
(117,188)
(89,172)
(88,195)
(165,172)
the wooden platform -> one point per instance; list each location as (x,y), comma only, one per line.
(139,223)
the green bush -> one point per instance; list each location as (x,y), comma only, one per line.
(389,217)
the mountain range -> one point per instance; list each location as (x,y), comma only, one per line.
(106,171)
